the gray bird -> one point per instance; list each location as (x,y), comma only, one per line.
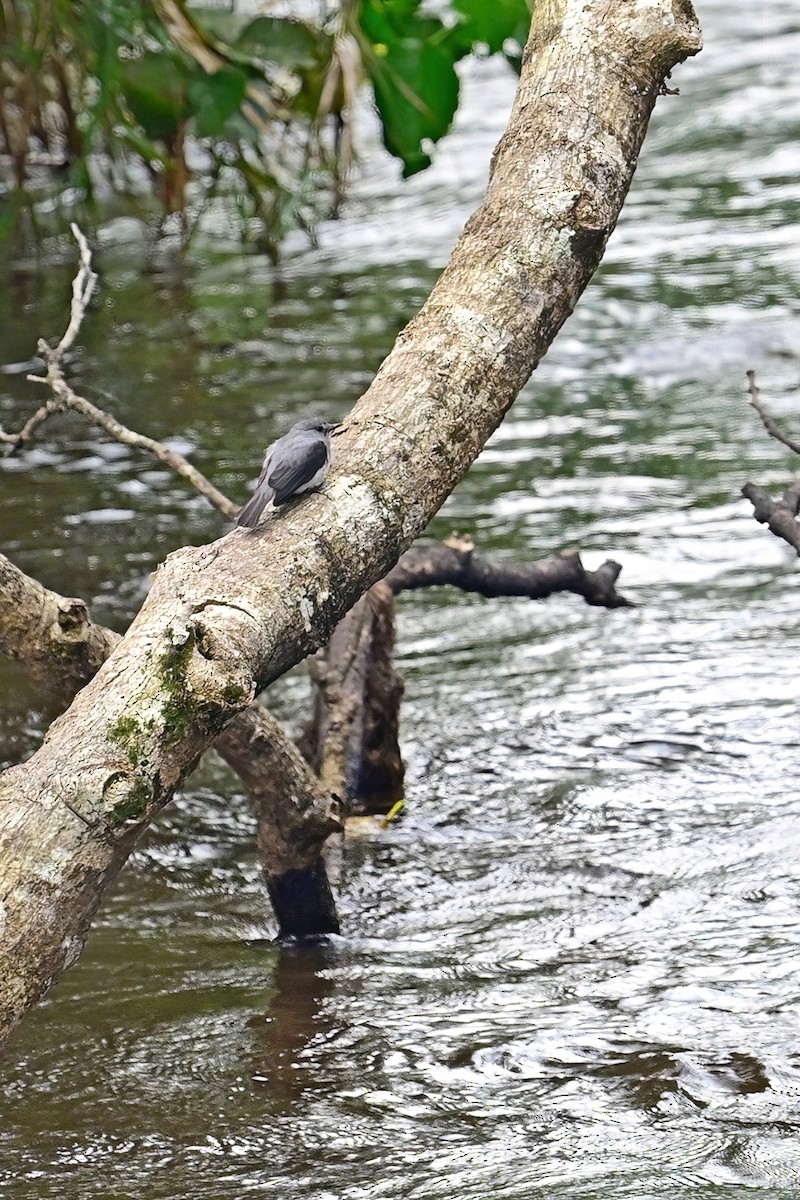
(297,462)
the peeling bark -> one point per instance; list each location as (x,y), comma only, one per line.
(223,621)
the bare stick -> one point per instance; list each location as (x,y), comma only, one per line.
(64,397)
(83,288)
(780,516)
(770,424)
(17,440)
(456,562)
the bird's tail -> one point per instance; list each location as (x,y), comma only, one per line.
(249,516)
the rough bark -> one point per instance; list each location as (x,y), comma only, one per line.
(295,815)
(352,740)
(380,770)
(779,516)
(224,620)
(53,636)
(61,647)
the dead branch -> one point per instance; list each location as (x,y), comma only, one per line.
(83,288)
(780,516)
(456,563)
(352,740)
(769,422)
(66,398)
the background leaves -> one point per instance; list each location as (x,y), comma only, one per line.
(269,100)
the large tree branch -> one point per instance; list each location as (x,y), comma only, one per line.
(60,646)
(63,648)
(224,620)
(54,637)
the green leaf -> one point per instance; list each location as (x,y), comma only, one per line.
(416,93)
(218,24)
(288,43)
(213,98)
(386,21)
(492,22)
(155,88)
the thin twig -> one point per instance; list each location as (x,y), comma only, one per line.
(83,287)
(770,424)
(17,440)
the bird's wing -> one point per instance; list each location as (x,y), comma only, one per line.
(290,474)
(250,514)
(265,468)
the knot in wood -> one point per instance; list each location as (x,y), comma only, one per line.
(72,616)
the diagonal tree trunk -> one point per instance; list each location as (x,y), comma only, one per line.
(224,620)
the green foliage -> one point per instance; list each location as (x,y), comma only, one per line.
(285,41)
(156,94)
(96,85)
(411,62)
(410,58)
(214,98)
(494,25)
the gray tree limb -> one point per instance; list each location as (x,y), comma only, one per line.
(224,620)
(779,516)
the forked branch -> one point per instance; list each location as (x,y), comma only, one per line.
(64,398)
(780,516)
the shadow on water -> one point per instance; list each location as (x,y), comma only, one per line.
(571,970)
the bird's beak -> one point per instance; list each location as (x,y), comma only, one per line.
(336,428)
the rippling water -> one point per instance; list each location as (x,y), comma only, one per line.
(572,969)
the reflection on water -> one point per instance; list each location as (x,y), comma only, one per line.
(285,1036)
(571,969)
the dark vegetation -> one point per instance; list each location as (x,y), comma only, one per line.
(185,105)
